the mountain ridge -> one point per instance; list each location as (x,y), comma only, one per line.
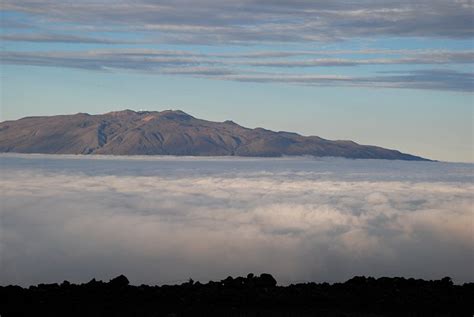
(170,132)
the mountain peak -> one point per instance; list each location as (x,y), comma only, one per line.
(126,112)
(144,115)
(175,115)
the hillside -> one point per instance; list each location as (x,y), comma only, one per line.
(169,133)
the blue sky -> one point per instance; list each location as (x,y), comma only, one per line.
(394,73)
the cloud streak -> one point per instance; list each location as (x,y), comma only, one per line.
(58,38)
(276,25)
(241,67)
(251,21)
(423,79)
(426,58)
(168,219)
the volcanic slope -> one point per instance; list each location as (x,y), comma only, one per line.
(169,133)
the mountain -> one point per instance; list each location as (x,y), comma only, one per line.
(168,133)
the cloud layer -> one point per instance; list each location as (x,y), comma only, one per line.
(267,67)
(283,27)
(163,220)
(250,21)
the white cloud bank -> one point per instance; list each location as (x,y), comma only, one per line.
(163,220)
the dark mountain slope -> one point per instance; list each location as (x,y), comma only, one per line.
(168,133)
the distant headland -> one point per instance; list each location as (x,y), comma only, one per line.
(170,132)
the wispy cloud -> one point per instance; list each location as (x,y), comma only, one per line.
(423,79)
(279,25)
(58,38)
(102,60)
(210,21)
(168,219)
(425,58)
(236,67)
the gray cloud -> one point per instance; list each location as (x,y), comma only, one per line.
(59,38)
(280,58)
(235,66)
(103,60)
(256,21)
(420,79)
(244,23)
(162,219)
(413,59)
(435,79)
(9,23)
(199,71)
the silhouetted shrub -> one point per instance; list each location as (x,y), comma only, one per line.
(242,296)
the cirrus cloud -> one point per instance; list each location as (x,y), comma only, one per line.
(250,21)
(241,67)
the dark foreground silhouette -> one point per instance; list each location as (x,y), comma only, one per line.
(250,296)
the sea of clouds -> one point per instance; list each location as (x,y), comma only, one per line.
(167,219)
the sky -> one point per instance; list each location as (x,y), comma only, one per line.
(164,220)
(393,73)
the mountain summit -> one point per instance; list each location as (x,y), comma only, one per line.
(169,132)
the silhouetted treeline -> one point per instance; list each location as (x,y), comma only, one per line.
(242,296)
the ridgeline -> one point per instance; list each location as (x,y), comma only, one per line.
(170,133)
